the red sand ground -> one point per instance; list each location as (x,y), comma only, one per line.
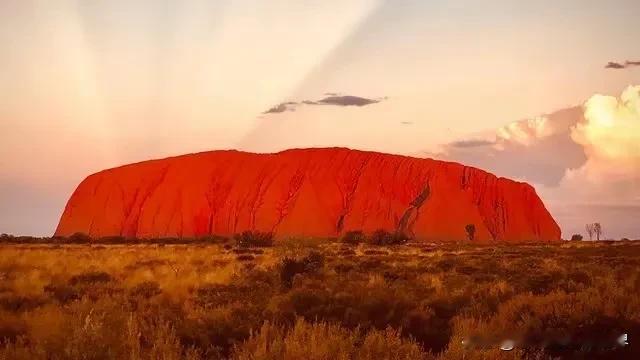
(305,192)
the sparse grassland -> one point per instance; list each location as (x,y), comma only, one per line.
(317,300)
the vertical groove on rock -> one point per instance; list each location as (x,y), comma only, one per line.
(414,205)
(295,184)
(103,209)
(216,196)
(348,195)
(149,194)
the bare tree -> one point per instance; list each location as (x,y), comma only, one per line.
(597,229)
(590,230)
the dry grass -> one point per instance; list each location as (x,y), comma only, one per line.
(317,300)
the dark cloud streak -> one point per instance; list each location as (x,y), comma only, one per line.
(347,100)
(332,100)
(471,143)
(614,65)
(617,65)
(282,107)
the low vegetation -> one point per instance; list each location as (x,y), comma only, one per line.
(254,239)
(351,299)
(379,237)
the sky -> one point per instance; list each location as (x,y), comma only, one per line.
(538,91)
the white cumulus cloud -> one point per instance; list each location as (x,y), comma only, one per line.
(610,136)
(606,188)
(525,132)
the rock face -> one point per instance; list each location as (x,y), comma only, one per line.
(308,193)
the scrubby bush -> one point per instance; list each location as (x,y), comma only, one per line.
(346,252)
(383,238)
(113,240)
(322,341)
(576,237)
(354,237)
(11,327)
(313,262)
(63,293)
(79,238)
(254,239)
(18,303)
(146,289)
(245,257)
(290,267)
(375,252)
(90,277)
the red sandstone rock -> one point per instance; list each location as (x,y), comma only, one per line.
(305,192)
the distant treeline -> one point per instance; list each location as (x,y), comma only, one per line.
(80,238)
(244,239)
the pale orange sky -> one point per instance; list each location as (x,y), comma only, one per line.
(90,85)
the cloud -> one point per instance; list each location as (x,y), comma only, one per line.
(537,150)
(525,132)
(611,139)
(333,99)
(471,143)
(584,161)
(608,183)
(617,65)
(282,107)
(614,65)
(347,100)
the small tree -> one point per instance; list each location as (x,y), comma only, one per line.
(590,229)
(471,231)
(597,229)
(576,237)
